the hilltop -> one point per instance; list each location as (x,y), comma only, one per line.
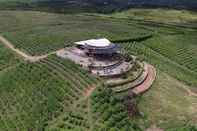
(39,90)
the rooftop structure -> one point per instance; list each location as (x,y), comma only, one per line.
(98,46)
(102,58)
(95,42)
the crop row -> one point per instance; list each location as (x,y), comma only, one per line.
(33,94)
(40,33)
(182,53)
(76,119)
(161,61)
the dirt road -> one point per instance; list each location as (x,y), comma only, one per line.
(26,57)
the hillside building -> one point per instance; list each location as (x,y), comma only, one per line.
(98,47)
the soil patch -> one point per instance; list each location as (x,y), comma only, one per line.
(87,93)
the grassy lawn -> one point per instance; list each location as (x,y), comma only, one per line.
(168,104)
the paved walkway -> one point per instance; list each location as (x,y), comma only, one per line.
(23,54)
(148,82)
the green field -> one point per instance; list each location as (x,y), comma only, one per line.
(173,54)
(49,94)
(34,94)
(7,58)
(39,33)
(159,15)
(168,104)
(102,111)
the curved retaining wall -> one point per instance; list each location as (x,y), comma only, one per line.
(115,71)
(123,82)
(107,66)
(143,87)
(135,83)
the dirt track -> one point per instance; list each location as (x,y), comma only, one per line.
(22,54)
(89,90)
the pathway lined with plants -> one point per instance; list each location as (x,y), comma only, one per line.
(26,57)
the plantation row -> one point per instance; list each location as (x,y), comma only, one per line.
(161,62)
(38,44)
(77,119)
(39,33)
(31,95)
(182,51)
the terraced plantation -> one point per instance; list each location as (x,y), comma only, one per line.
(77,119)
(34,94)
(40,33)
(179,51)
(173,54)
(108,108)
(55,94)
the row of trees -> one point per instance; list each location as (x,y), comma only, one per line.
(35,94)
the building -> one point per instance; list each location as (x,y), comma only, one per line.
(99,47)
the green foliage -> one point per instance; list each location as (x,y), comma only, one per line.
(175,55)
(7,58)
(186,127)
(75,119)
(49,94)
(168,104)
(40,33)
(159,15)
(31,95)
(109,112)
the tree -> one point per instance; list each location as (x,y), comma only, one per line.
(131,104)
